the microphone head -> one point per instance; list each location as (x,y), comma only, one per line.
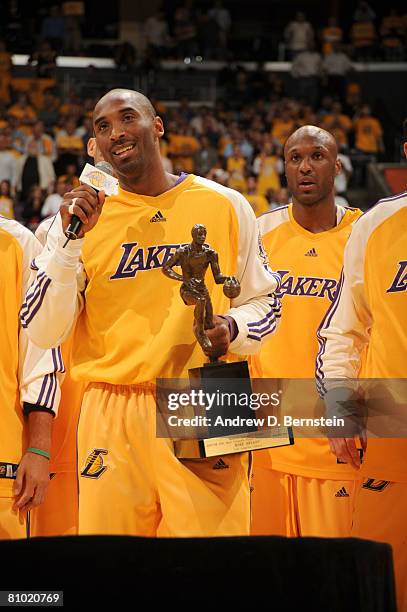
(105,167)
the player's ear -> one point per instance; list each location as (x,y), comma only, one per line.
(338,166)
(405,148)
(159,127)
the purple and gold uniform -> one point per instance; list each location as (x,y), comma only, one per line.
(28,374)
(133,327)
(301,489)
(364,335)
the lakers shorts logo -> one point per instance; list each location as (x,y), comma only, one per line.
(94,467)
(375,485)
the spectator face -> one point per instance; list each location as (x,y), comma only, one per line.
(251,184)
(3,142)
(38,129)
(282,196)
(70,127)
(311,165)
(61,188)
(71,169)
(5,188)
(32,149)
(128,133)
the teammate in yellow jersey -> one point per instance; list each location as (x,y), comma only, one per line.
(58,515)
(301,490)
(29,388)
(369,319)
(132,327)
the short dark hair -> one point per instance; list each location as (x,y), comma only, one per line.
(405,130)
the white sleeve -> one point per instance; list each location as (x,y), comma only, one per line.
(40,371)
(345,329)
(256,310)
(54,300)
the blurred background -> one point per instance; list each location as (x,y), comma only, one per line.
(231,79)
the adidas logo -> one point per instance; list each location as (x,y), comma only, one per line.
(158,217)
(220,465)
(342,493)
(311,253)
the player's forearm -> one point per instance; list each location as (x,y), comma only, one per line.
(54,299)
(40,430)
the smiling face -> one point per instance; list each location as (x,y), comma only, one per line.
(311,165)
(127,133)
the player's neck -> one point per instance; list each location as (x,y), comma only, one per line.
(151,184)
(318,218)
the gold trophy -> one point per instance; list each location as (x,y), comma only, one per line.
(244,434)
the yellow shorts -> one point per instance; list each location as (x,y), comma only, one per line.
(380,514)
(131,483)
(58,515)
(13,525)
(290,505)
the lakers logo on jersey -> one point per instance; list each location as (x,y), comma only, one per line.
(400,280)
(141,259)
(94,467)
(311,286)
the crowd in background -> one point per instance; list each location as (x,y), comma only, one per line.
(238,142)
(43,146)
(209,31)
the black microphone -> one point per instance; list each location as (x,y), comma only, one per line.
(75,225)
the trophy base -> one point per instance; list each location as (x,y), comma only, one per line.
(229,378)
(238,443)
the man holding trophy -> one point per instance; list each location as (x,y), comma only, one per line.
(131,327)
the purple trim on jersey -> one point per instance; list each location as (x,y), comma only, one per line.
(269,212)
(322,341)
(275,275)
(28,318)
(33,265)
(263,335)
(181,178)
(395,197)
(274,311)
(54,392)
(53,382)
(45,384)
(399,196)
(57,359)
(32,294)
(61,361)
(260,329)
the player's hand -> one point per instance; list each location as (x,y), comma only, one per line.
(346,451)
(219,337)
(31,482)
(85,203)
